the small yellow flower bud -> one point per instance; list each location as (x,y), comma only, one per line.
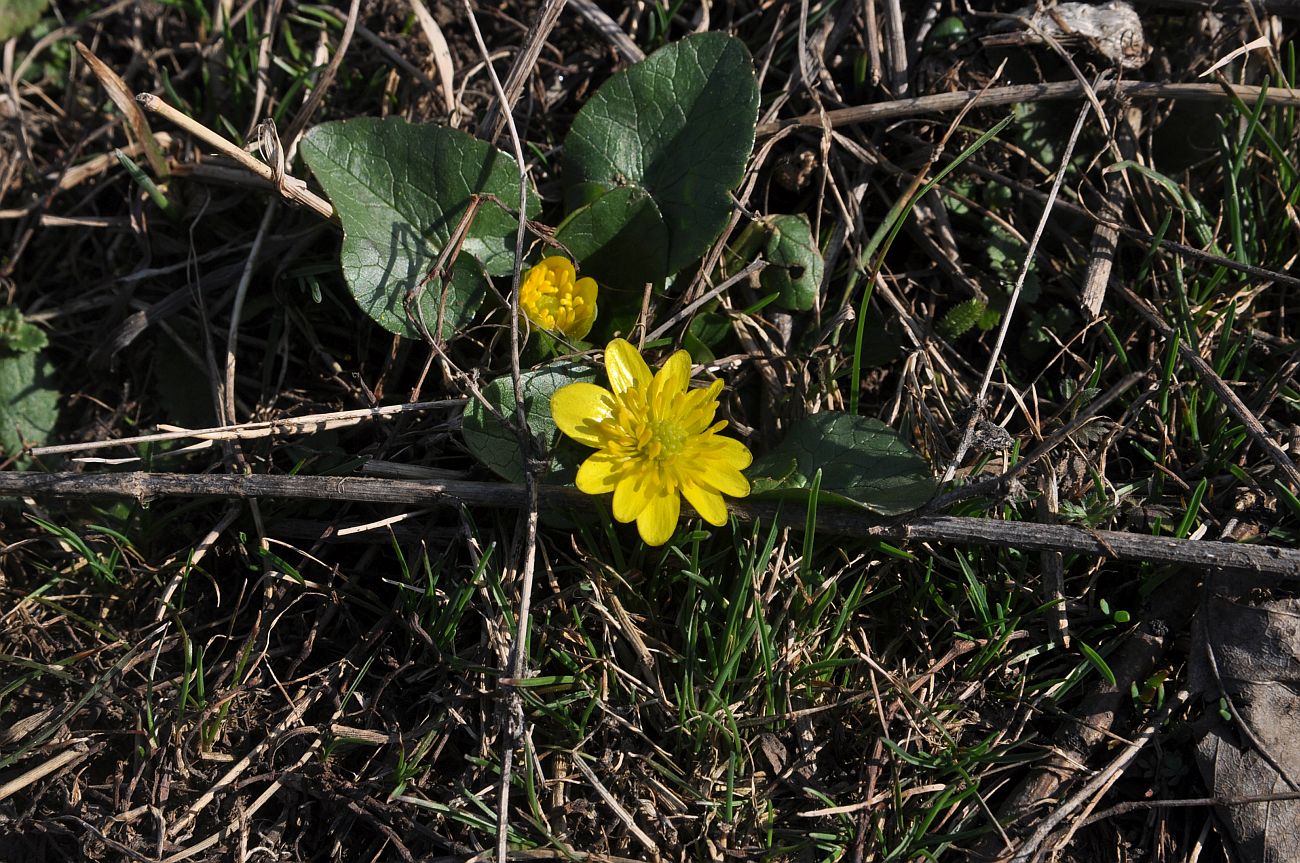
(554,299)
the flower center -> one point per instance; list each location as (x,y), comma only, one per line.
(667,438)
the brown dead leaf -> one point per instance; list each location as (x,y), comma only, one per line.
(1248,650)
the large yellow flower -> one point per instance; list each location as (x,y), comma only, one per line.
(554,298)
(657,442)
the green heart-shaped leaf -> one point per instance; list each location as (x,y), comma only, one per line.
(620,239)
(863,462)
(678,127)
(400,191)
(497,446)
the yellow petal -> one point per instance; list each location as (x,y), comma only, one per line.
(630,496)
(723,478)
(582,324)
(658,520)
(624,366)
(586,313)
(599,473)
(729,451)
(707,502)
(697,408)
(673,377)
(577,408)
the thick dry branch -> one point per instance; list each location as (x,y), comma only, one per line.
(996,96)
(834,521)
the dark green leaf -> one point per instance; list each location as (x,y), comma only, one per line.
(619,238)
(863,463)
(400,192)
(497,446)
(29,404)
(705,332)
(679,126)
(796,264)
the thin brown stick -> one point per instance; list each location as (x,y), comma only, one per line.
(310,424)
(49,221)
(943,103)
(237,310)
(896,47)
(440,53)
(512,710)
(687,311)
(411,71)
(261,74)
(1105,238)
(494,121)
(607,27)
(291,187)
(73,753)
(831,520)
(611,801)
(1188,803)
(136,122)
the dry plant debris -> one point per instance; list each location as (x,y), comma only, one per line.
(292,564)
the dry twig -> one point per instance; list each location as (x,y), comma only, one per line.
(832,521)
(291,187)
(996,96)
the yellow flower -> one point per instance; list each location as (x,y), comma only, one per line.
(553,300)
(656,440)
